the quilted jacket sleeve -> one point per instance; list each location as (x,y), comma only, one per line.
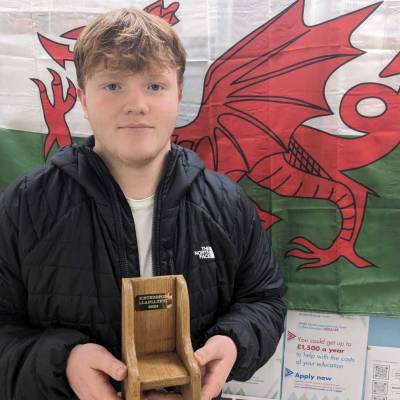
(32,361)
(255,320)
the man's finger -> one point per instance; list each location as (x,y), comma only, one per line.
(104,361)
(207,353)
(218,347)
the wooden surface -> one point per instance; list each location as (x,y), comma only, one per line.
(156,343)
(131,385)
(154,329)
(162,370)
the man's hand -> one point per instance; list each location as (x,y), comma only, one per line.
(216,359)
(89,367)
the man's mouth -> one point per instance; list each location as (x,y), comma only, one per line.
(136,126)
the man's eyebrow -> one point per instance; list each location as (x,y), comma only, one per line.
(117,74)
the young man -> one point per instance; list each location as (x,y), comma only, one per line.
(128,203)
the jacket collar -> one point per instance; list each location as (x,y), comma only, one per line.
(82,164)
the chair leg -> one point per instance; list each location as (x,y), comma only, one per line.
(191,391)
(132,390)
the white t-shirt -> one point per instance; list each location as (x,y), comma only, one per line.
(142,211)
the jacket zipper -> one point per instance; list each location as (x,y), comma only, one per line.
(123,260)
(156,220)
(121,249)
(155,267)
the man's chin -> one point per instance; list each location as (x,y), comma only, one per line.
(140,161)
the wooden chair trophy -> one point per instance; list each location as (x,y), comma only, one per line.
(156,345)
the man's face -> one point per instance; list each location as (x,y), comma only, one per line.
(132,114)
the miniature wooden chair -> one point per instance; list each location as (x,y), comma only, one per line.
(156,345)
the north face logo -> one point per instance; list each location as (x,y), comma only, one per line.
(206,252)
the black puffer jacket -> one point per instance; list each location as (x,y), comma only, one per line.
(67,237)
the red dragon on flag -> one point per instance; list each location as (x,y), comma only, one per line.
(256,99)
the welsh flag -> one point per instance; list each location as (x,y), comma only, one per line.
(298,101)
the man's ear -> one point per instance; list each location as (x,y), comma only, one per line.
(82,98)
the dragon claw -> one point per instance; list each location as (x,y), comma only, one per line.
(71,88)
(300,241)
(300,254)
(305,256)
(54,113)
(325,257)
(40,84)
(316,264)
(71,96)
(56,77)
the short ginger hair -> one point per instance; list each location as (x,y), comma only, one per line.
(128,39)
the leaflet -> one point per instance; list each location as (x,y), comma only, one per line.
(324,356)
(382,381)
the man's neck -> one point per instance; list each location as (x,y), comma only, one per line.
(137,182)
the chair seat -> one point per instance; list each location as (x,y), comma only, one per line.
(161,370)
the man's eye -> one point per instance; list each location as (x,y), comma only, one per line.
(155,87)
(112,87)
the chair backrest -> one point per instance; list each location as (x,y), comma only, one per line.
(154,319)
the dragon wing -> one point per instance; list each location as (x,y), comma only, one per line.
(258,92)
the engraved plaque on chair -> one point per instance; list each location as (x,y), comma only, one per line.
(156,344)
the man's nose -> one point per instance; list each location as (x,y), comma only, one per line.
(136,104)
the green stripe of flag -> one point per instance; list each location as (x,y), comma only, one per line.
(20,152)
(339,287)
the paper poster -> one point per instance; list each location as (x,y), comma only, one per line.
(382,380)
(264,384)
(324,356)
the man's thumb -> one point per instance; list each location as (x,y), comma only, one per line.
(205,354)
(111,365)
(120,372)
